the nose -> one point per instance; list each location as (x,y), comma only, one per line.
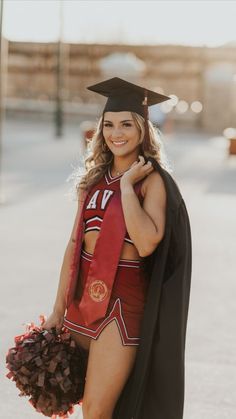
(116,132)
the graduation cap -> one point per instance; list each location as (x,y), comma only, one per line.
(125,96)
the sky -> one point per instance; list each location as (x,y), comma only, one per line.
(198,23)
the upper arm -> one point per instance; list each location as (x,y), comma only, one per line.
(81,197)
(154,203)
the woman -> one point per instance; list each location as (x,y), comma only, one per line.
(122,210)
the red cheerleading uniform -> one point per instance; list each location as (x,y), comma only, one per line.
(128,296)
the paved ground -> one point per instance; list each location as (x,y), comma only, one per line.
(36,222)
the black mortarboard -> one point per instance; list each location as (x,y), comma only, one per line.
(125,96)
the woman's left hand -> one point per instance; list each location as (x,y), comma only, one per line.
(137,171)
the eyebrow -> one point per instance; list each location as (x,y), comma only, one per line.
(125,120)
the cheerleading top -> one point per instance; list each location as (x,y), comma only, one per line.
(97,202)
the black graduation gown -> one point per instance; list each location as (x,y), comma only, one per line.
(155,388)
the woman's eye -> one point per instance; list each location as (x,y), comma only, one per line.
(126,124)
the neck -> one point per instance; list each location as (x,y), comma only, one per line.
(122,165)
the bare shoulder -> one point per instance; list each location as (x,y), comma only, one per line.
(153,185)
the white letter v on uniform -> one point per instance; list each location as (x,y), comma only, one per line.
(105,197)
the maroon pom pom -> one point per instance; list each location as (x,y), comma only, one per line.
(50,368)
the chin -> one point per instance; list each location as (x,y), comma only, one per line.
(120,153)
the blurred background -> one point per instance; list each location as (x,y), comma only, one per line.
(49,52)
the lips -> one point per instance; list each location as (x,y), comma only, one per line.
(119,143)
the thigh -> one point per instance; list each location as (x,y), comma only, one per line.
(109,366)
(80,339)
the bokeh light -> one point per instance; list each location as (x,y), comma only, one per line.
(182,107)
(229,132)
(196,106)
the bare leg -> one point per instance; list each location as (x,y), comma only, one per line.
(80,339)
(109,366)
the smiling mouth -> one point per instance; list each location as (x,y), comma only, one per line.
(119,143)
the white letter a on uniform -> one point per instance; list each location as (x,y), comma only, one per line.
(93,201)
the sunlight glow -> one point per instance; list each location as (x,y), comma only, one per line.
(209,23)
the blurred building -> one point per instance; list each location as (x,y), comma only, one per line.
(202,80)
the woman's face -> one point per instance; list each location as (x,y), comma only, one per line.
(121,134)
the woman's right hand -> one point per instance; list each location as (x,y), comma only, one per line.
(54,320)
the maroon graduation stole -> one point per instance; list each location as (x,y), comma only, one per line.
(104,264)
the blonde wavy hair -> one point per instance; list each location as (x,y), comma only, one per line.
(100,157)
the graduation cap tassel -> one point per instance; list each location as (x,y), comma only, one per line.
(146,140)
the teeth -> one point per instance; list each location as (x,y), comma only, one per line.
(119,142)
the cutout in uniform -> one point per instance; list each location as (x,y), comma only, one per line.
(128,295)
